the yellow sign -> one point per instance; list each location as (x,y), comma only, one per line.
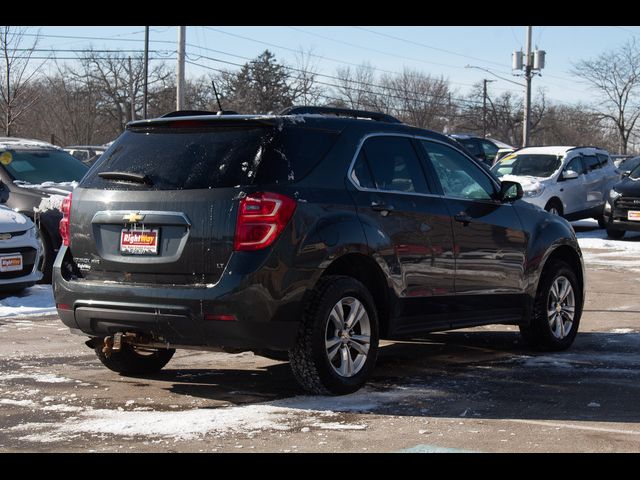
(6,158)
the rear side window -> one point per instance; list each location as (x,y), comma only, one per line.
(603,159)
(590,162)
(394,164)
(575,164)
(212,157)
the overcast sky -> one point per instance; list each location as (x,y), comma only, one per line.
(439,51)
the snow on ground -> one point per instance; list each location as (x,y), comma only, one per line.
(36,300)
(600,251)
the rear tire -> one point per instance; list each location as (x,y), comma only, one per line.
(602,223)
(337,343)
(556,311)
(615,234)
(132,361)
(47,259)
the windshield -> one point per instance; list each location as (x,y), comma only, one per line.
(635,173)
(629,164)
(533,165)
(39,166)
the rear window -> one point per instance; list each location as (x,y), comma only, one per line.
(38,166)
(212,157)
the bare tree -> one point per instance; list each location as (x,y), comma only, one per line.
(356,88)
(15,95)
(616,75)
(305,89)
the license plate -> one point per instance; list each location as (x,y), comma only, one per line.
(633,215)
(11,263)
(139,242)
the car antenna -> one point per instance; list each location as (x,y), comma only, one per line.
(213,84)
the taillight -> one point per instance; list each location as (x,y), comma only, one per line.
(261,218)
(64,223)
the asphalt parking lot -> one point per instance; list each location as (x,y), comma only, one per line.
(474,390)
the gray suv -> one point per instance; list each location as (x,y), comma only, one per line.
(572,182)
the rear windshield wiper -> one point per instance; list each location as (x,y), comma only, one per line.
(126,176)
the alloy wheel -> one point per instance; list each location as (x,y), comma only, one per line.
(348,337)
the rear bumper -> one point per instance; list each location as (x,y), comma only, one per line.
(175,315)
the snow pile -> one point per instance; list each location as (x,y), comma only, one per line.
(36,300)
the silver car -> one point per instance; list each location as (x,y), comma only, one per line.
(569,181)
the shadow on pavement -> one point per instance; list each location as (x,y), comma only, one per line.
(457,374)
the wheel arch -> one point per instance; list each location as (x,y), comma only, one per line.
(365,269)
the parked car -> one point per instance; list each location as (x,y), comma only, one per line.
(618,159)
(20,251)
(627,165)
(315,232)
(34,179)
(572,182)
(483,149)
(622,209)
(87,154)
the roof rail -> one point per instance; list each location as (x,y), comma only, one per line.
(585,146)
(340,112)
(191,113)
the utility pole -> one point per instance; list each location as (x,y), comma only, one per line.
(484,106)
(531,63)
(527,95)
(180,86)
(146,72)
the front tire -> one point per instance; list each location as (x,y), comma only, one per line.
(557,309)
(337,343)
(615,234)
(135,361)
(554,207)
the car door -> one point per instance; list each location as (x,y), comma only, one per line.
(489,241)
(573,191)
(407,227)
(593,181)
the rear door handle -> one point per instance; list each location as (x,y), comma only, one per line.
(463,218)
(381,207)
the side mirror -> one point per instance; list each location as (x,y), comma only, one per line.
(570,174)
(510,191)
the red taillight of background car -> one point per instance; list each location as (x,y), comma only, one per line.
(261,218)
(64,223)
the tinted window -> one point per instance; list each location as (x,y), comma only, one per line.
(603,159)
(459,176)
(39,166)
(629,164)
(394,164)
(361,172)
(590,162)
(490,150)
(472,146)
(575,164)
(210,157)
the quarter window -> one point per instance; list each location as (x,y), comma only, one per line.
(459,176)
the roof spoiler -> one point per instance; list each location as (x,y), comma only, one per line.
(340,112)
(193,113)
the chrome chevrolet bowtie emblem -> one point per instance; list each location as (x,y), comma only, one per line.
(133,217)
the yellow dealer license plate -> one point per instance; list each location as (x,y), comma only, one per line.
(11,263)
(634,215)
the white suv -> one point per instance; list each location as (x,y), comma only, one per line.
(569,181)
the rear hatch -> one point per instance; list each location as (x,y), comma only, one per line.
(160,205)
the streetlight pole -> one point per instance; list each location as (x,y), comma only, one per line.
(484,106)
